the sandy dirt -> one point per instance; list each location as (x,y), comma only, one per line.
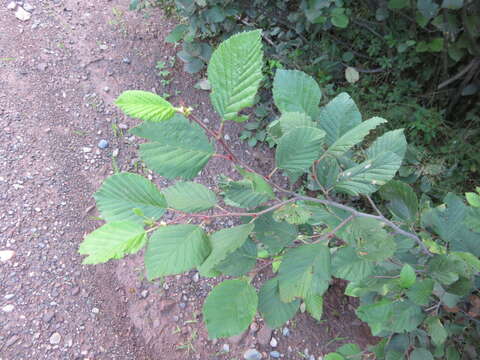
(60,72)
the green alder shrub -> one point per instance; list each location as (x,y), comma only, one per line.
(410,263)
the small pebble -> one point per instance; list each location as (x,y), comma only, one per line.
(144,294)
(12,5)
(275,354)
(22,15)
(196,277)
(9,296)
(55,338)
(285,331)
(226,137)
(86,149)
(28,7)
(226,348)
(6,255)
(252,354)
(8,308)
(95,310)
(103,144)
(106,89)
(126,60)
(312,357)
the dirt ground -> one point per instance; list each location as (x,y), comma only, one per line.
(60,72)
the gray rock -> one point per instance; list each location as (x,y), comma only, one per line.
(252,354)
(226,348)
(126,60)
(9,296)
(55,338)
(48,316)
(22,15)
(196,277)
(144,294)
(285,331)
(275,354)
(312,357)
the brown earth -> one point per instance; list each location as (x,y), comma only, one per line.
(60,72)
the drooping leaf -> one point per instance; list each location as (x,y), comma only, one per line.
(258,183)
(295,91)
(229,308)
(402,200)
(444,269)
(346,264)
(299,148)
(241,261)
(368,176)
(112,241)
(407,276)
(174,249)
(123,192)
(292,120)
(177,34)
(448,222)
(428,8)
(314,305)
(189,197)
(421,291)
(421,354)
(275,235)
(179,148)
(393,141)
(223,243)
(272,308)
(339,116)
(145,105)
(304,270)
(436,330)
(327,172)
(354,136)
(235,72)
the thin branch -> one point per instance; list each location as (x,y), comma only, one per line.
(337,228)
(459,74)
(381,218)
(374,206)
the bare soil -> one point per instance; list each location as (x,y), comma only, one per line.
(60,72)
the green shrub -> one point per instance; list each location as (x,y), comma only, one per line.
(413,269)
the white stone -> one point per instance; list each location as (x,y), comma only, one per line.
(55,338)
(273,342)
(86,149)
(6,255)
(22,15)
(12,5)
(8,308)
(95,310)
(28,7)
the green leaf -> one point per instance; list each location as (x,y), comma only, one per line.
(327,171)
(112,241)
(339,19)
(296,214)
(354,136)
(177,34)
(436,330)
(402,200)
(428,8)
(258,183)
(241,261)
(295,91)
(145,105)
(229,308)
(304,270)
(272,308)
(421,354)
(235,72)
(339,116)
(314,305)
(190,197)
(242,194)
(292,120)
(386,315)
(351,351)
(448,222)
(223,243)
(121,193)
(421,291)
(368,176)
(393,141)
(298,149)
(473,199)
(346,264)
(398,4)
(275,235)
(175,249)
(179,148)
(407,276)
